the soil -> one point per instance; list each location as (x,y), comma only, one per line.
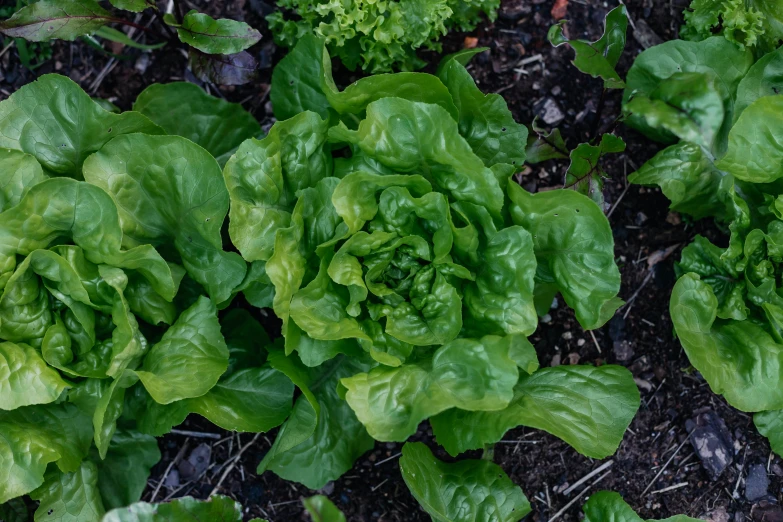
(654,455)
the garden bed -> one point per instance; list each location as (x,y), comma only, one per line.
(656,469)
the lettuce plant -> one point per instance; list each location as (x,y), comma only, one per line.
(378,36)
(112,271)
(408,270)
(720,110)
(607,505)
(216,48)
(746,23)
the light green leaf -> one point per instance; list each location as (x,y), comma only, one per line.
(421,138)
(56,19)
(169,190)
(588,407)
(55,121)
(25,378)
(770,424)
(484,120)
(123,474)
(687,177)
(739,359)
(765,78)
(63,207)
(608,506)
(313,446)
(185,509)
(755,152)
(264,176)
(34,436)
(190,357)
(321,509)
(184,109)
(465,373)
(19,172)
(585,174)
(686,104)
(469,491)
(70,497)
(114,35)
(135,6)
(599,58)
(222,36)
(575,250)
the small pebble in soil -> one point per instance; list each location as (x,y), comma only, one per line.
(712,441)
(623,350)
(548,110)
(756,483)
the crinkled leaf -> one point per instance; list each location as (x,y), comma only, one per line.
(421,138)
(185,509)
(34,436)
(19,172)
(469,491)
(587,407)
(599,58)
(70,497)
(755,147)
(169,190)
(484,120)
(465,373)
(25,378)
(765,78)
(222,36)
(56,19)
(264,176)
(55,121)
(575,250)
(190,357)
(63,207)
(687,177)
(739,359)
(184,109)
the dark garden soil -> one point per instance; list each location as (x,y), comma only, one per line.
(656,469)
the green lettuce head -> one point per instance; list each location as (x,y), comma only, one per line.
(408,268)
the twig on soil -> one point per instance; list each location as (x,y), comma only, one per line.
(379,485)
(576,498)
(670,488)
(666,465)
(231,467)
(179,456)
(622,195)
(647,404)
(597,346)
(587,477)
(739,475)
(384,461)
(197,434)
(630,301)
(5,49)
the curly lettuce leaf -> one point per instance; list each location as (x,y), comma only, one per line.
(25,378)
(185,509)
(70,497)
(21,172)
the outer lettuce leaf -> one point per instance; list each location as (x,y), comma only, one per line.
(467,374)
(589,408)
(470,490)
(35,436)
(739,359)
(25,378)
(55,121)
(185,202)
(123,473)
(184,109)
(575,250)
(321,509)
(765,78)
(70,497)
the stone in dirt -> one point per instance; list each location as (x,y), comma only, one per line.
(756,483)
(196,463)
(712,441)
(548,110)
(766,511)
